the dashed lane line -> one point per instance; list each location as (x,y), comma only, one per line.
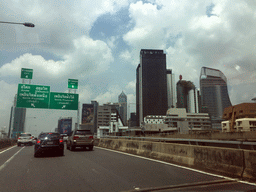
(4,165)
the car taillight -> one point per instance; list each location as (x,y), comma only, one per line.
(19,138)
(75,137)
(91,137)
(61,140)
(38,141)
(31,138)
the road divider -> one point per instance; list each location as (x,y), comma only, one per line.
(236,163)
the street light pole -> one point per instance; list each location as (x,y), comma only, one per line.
(25,24)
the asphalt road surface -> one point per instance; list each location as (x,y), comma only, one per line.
(102,170)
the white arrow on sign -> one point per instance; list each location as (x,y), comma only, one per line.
(64,106)
(32,105)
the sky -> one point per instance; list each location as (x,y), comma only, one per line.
(98,42)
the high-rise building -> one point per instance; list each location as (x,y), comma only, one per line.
(122,100)
(170,89)
(187,96)
(151,84)
(108,113)
(214,94)
(18,120)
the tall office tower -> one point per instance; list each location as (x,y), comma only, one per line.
(170,88)
(214,94)
(89,116)
(122,100)
(187,96)
(151,85)
(18,120)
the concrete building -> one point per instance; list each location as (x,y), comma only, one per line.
(180,121)
(239,118)
(151,84)
(187,96)
(214,94)
(122,100)
(170,89)
(109,119)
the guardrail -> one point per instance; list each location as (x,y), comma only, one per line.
(200,142)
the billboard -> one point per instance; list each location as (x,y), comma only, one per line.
(65,125)
(88,114)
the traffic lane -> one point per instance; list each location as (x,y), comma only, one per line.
(73,172)
(7,153)
(98,170)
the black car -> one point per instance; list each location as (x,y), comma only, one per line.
(49,141)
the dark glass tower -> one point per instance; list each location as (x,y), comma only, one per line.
(151,85)
(214,94)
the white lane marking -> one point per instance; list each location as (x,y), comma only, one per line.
(4,165)
(179,166)
(7,149)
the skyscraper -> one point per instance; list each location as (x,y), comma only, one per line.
(122,100)
(170,89)
(19,119)
(214,94)
(151,84)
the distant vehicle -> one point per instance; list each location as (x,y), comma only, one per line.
(49,141)
(80,138)
(34,139)
(25,138)
(65,137)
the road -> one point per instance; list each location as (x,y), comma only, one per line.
(99,170)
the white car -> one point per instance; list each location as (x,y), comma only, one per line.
(25,138)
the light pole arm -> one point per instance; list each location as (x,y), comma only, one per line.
(25,24)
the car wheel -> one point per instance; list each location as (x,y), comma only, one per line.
(90,148)
(18,144)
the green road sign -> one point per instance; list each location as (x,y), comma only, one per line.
(26,73)
(72,83)
(33,96)
(65,101)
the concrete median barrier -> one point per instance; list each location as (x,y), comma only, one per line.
(232,162)
(250,165)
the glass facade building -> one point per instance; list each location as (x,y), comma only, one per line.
(122,100)
(151,84)
(214,94)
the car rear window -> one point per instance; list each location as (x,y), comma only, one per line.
(83,132)
(25,135)
(49,135)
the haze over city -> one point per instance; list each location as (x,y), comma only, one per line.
(99,44)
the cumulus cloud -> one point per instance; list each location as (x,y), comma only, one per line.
(109,96)
(88,58)
(214,34)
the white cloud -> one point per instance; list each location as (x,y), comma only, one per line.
(131,85)
(88,58)
(110,96)
(126,55)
